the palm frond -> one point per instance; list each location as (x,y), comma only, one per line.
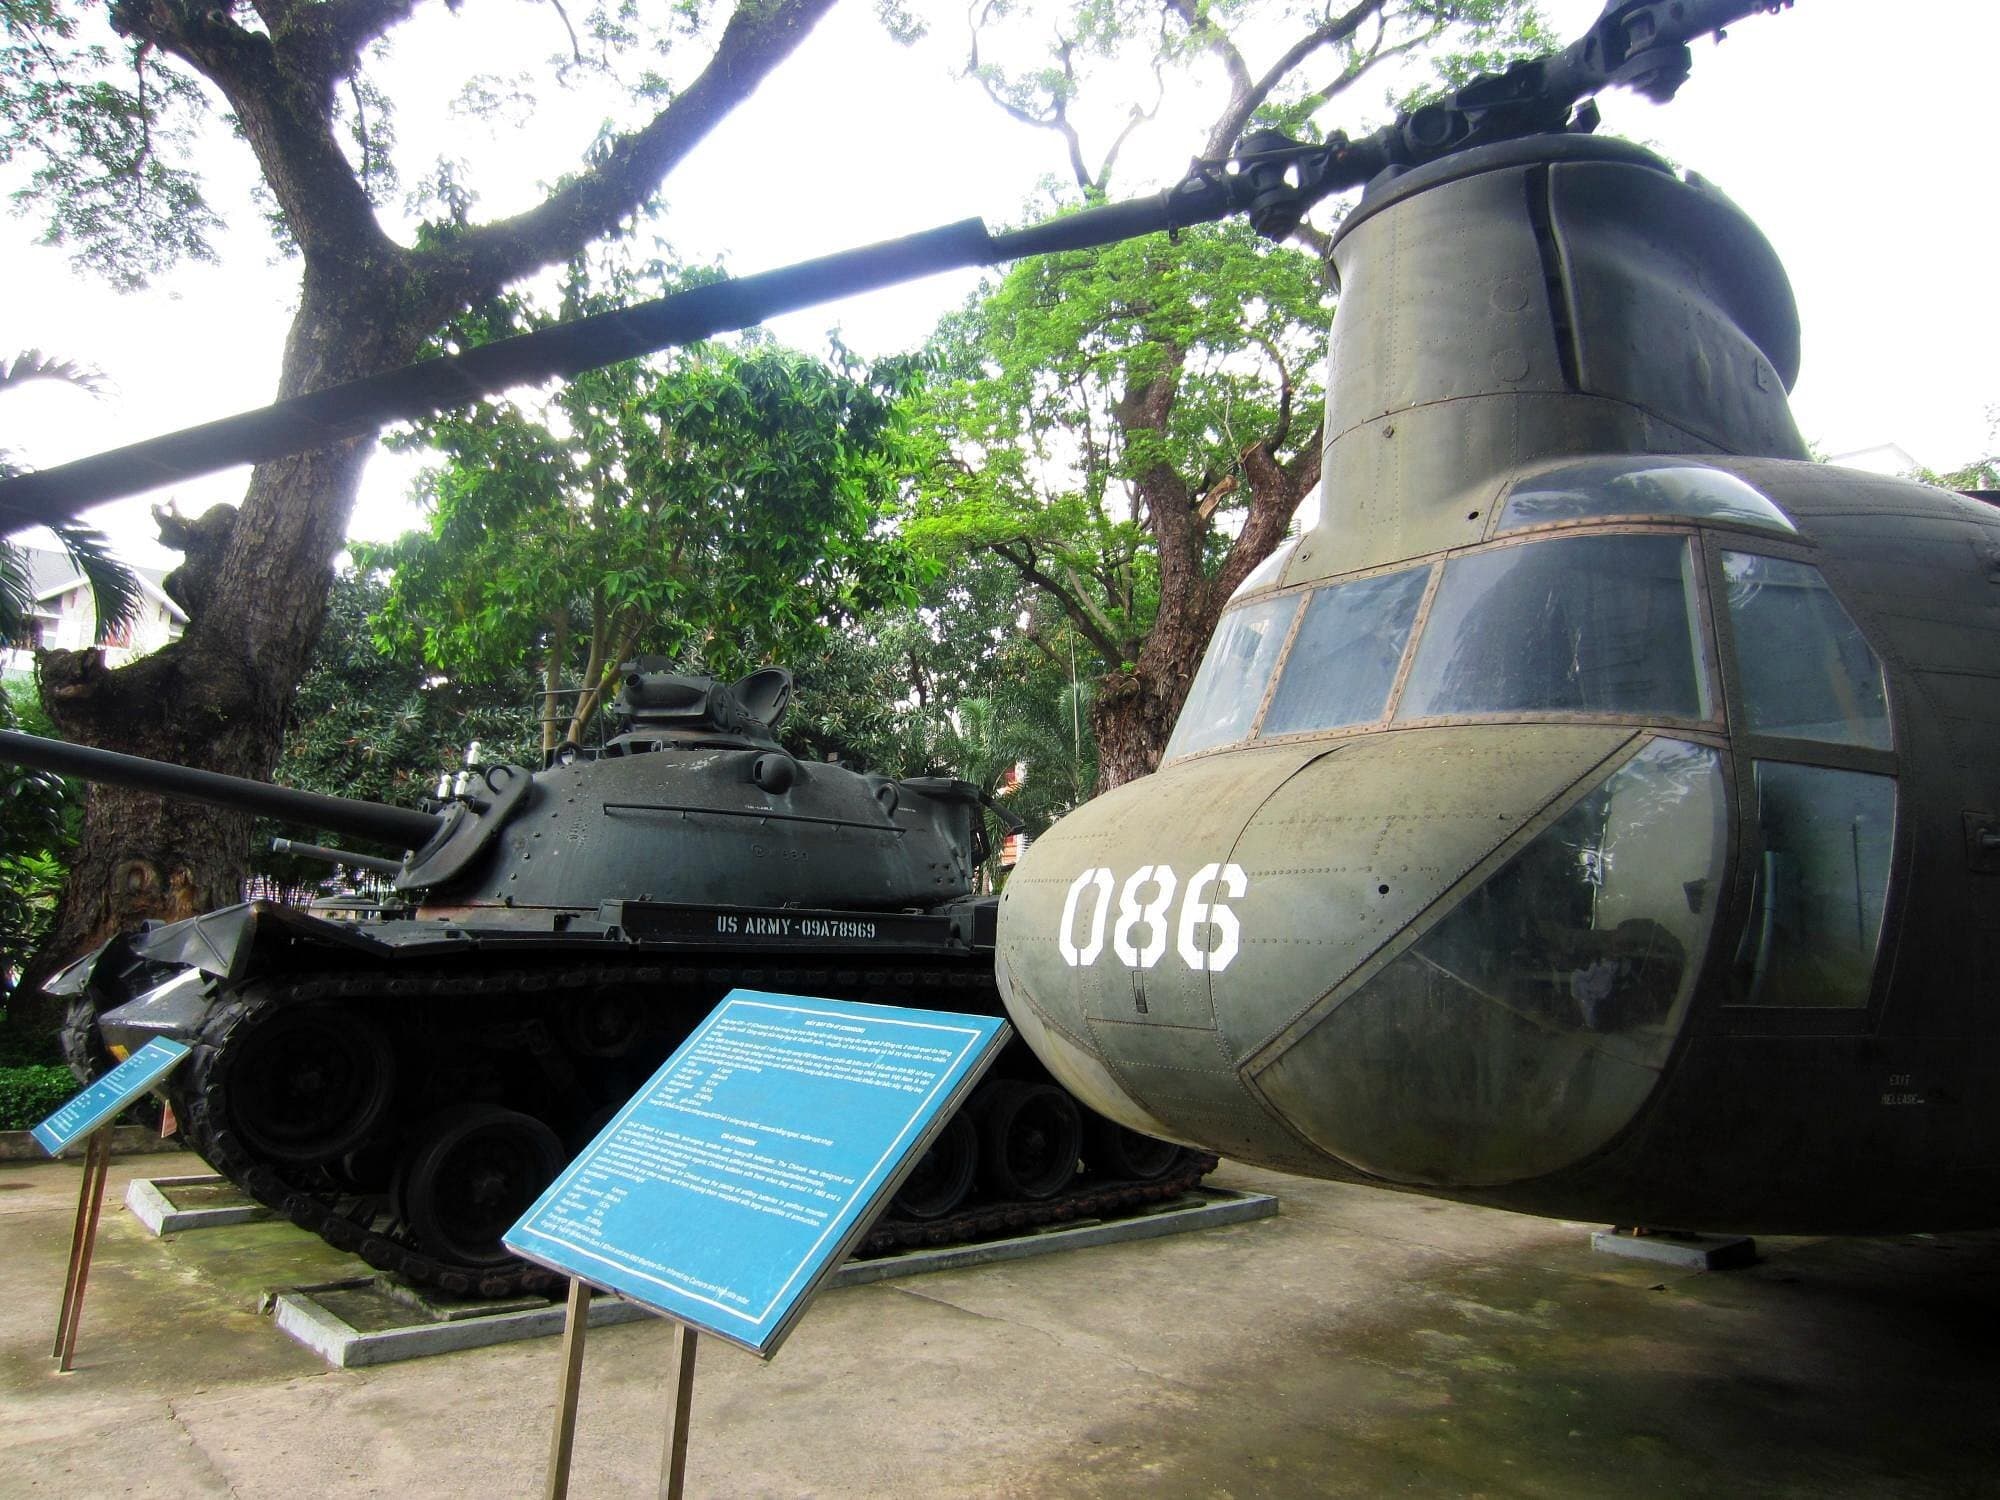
(114,588)
(32,364)
(16,598)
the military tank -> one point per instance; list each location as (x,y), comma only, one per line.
(404,1084)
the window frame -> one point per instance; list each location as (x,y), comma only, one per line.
(1699,615)
(1748,747)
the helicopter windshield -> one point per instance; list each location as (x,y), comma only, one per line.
(1229,688)
(1570,625)
(1586,624)
(1344,661)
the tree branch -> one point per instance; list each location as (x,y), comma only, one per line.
(287,119)
(1057,119)
(1284,427)
(1248,96)
(1275,492)
(575,47)
(1217,41)
(599,674)
(323,42)
(1080,610)
(1133,121)
(1374,57)
(589,206)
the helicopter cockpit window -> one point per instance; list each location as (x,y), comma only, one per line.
(1628,487)
(1267,573)
(1553,992)
(1819,887)
(1230,685)
(1807,673)
(1571,625)
(1344,661)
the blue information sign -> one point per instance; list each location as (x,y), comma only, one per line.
(756,1157)
(102,1102)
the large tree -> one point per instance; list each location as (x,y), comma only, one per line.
(721,505)
(109,127)
(1132,428)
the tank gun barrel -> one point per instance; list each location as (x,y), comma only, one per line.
(400,827)
(337,856)
(1639,44)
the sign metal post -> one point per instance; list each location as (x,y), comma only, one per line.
(89,1202)
(576,1325)
(723,1192)
(674,1461)
(85,1117)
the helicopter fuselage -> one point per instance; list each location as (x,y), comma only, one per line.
(1595,814)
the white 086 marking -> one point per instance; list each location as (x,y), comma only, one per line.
(1148,918)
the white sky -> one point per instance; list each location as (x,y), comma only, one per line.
(1854,133)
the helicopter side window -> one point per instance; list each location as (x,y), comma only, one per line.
(1342,665)
(1574,625)
(1807,673)
(1819,887)
(1634,487)
(1230,685)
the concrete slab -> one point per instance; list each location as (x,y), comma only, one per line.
(1203,1208)
(377,1320)
(348,1325)
(174,1205)
(1687,1252)
(1358,1344)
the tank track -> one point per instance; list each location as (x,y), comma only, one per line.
(508,1012)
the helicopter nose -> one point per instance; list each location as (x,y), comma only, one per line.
(1449,957)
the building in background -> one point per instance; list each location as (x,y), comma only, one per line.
(64,618)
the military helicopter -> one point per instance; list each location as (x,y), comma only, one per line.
(1594,813)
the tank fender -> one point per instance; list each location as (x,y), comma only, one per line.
(175,1009)
(76,977)
(222,942)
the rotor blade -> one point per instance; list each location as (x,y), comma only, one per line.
(358,408)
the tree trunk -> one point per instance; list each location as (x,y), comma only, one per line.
(1133,713)
(255,587)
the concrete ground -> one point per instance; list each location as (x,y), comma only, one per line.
(1362,1343)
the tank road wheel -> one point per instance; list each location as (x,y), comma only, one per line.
(308,1082)
(1114,1151)
(607,1024)
(470,1174)
(1030,1135)
(943,1175)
